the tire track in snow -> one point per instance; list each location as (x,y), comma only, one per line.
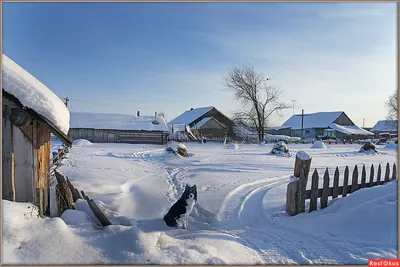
(175,182)
(241,215)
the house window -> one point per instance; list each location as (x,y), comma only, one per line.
(307,131)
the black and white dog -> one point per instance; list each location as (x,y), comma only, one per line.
(178,214)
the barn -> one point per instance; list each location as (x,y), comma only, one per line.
(118,128)
(390,127)
(205,121)
(325,124)
(31,112)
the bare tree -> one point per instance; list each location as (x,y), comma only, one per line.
(259,100)
(392,105)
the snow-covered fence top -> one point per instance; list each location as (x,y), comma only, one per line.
(34,94)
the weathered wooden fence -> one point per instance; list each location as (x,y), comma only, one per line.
(297,193)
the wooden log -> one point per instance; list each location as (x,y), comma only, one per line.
(98,213)
(84,196)
(378,177)
(63,194)
(75,193)
(335,191)
(302,161)
(345,181)
(394,173)
(354,180)
(371,176)
(301,190)
(387,173)
(325,189)
(363,177)
(291,197)
(314,191)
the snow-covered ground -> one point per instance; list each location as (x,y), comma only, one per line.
(239,217)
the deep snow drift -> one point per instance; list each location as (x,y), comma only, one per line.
(239,217)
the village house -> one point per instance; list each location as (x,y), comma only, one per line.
(206,122)
(31,112)
(118,128)
(385,127)
(325,125)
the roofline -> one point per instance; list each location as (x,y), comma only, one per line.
(56,131)
(211,108)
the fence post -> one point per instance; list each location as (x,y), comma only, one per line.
(387,172)
(378,178)
(394,174)
(302,161)
(325,189)
(291,194)
(363,177)
(371,176)
(301,191)
(314,191)
(345,181)
(354,180)
(335,189)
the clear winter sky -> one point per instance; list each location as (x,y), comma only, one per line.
(124,57)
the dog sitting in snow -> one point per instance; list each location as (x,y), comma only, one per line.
(178,214)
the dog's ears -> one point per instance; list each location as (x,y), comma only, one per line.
(187,186)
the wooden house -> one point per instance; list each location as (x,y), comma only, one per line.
(208,121)
(385,126)
(325,124)
(29,115)
(118,128)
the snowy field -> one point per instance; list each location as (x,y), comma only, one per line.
(239,217)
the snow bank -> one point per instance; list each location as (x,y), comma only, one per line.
(81,142)
(391,145)
(34,94)
(233,146)
(271,137)
(318,144)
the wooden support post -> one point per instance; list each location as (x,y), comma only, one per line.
(302,162)
(354,180)
(301,193)
(291,197)
(371,176)
(345,181)
(314,191)
(325,190)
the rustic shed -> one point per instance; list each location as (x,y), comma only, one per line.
(209,128)
(30,112)
(118,128)
(193,117)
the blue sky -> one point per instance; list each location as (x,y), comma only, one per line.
(124,57)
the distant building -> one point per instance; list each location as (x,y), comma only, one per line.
(385,126)
(118,128)
(206,121)
(325,124)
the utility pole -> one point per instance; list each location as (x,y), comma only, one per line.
(66,101)
(302,125)
(293,105)
(363,122)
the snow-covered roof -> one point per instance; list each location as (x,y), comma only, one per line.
(353,129)
(313,120)
(386,125)
(34,95)
(116,122)
(190,115)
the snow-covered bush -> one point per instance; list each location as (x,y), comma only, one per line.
(280,148)
(81,142)
(368,147)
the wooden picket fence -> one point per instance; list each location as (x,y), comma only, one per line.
(297,193)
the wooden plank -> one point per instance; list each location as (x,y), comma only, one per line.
(371,176)
(378,177)
(335,188)
(387,173)
(314,191)
(354,180)
(34,163)
(345,181)
(301,190)
(7,156)
(394,172)
(23,166)
(325,188)
(98,213)
(291,194)
(363,177)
